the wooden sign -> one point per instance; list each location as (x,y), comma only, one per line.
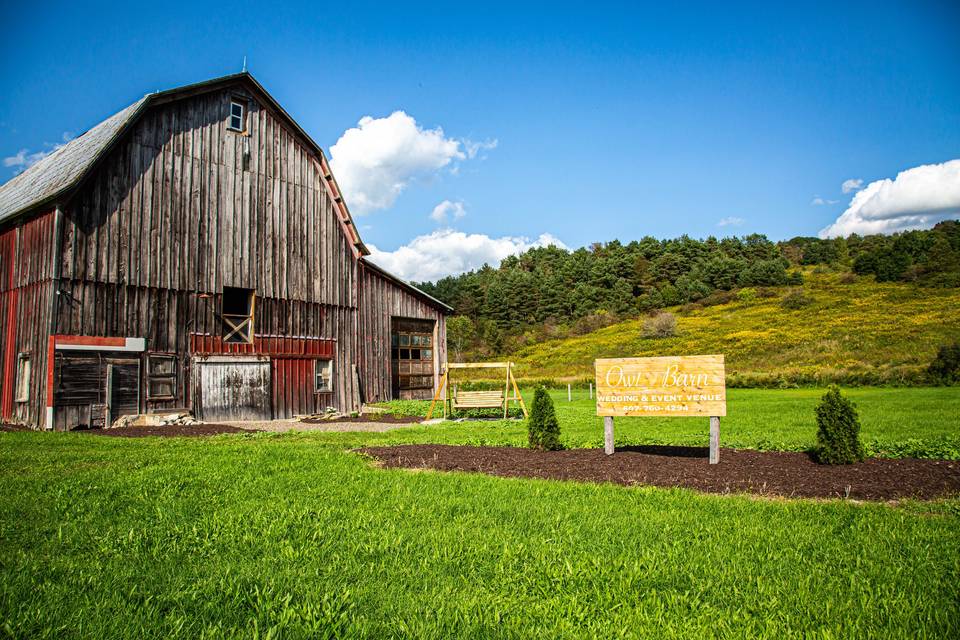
(666,386)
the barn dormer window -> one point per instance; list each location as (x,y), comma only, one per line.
(237,113)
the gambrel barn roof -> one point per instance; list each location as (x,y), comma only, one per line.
(62,170)
(52,180)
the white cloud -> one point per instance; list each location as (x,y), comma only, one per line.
(446,208)
(376,160)
(447,252)
(730,221)
(819,202)
(24,159)
(474,148)
(851,185)
(917,198)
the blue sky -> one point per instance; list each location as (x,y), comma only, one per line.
(587,122)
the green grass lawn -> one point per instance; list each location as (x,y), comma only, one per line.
(293,536)
(281,536)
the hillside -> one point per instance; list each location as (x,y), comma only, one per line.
(858,331)
(551,293)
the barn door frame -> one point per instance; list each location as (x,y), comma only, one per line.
(62,342)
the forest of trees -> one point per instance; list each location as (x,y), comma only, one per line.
(549,292)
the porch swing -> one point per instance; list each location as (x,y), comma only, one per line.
(467,400)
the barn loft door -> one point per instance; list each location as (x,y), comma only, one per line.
(234,389)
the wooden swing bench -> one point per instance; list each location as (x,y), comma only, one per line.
(478,399)
(468,400)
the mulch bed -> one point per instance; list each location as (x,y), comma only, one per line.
(739,471)
(169,430)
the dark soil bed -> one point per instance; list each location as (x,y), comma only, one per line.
(739,470)
(170,430)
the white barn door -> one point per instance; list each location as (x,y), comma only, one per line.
(233,388)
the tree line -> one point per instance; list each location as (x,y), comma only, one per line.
(547,291)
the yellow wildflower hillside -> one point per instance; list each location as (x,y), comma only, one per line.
(858,332)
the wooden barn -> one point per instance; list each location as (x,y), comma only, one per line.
(193,251)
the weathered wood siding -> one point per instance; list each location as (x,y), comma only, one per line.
(234,388)
(176,206)
(381,300)
(26,294)
(184,207)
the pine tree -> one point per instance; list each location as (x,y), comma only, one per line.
(542,426)
(838,433)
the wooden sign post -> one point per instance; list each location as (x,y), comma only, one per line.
(665,386)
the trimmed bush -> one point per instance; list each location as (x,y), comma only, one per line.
(945,368)
(662,325)
(543,427)
(838,430)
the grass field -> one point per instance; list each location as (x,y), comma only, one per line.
(865,331)
(290,536)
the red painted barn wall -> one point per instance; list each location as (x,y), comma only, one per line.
(26,295)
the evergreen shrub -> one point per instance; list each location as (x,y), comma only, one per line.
(542,427)
(838,430)
(945,368)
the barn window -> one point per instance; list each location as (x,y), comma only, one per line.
(161,376)
(24,369)
(237,314)
(237,112)
(412,355)
(323,370)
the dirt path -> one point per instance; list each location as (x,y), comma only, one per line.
(739,470)
(282,426)
(273,426)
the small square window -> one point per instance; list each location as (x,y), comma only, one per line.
(236,116)
(24,369)
(324,375)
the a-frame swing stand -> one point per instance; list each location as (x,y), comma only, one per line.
(458,399)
